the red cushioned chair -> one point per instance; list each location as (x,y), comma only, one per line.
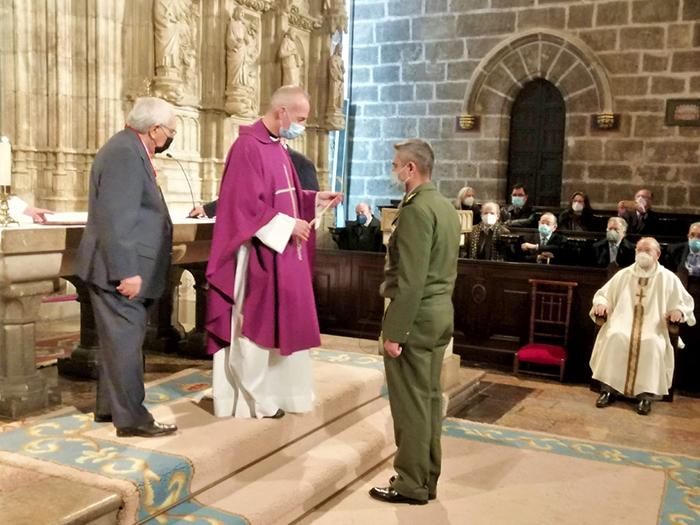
(550,312)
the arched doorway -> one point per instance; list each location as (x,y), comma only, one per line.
(536,146)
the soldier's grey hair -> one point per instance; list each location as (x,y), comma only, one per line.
(417,151)
(622,223)
(150,111)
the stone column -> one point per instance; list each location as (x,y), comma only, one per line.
(164,331)
(194,342)
(23,388)
(83,358)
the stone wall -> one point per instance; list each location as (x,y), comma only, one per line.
(70,71)
(417,64)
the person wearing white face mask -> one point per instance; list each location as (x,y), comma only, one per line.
(615,248)
(642,219)
(633,355)
(466,201)
(485,240)
(546,246)
(579,216)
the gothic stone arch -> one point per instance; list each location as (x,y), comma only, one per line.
(563,59)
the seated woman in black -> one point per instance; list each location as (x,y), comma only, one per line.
(578,216)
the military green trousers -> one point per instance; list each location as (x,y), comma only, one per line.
(415,396)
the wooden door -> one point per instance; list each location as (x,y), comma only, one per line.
(537,143)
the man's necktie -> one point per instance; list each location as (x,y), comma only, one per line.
(613,252)
(693,264)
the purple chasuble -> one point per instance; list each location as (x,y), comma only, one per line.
(279,309)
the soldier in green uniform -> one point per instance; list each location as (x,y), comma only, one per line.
(419,275)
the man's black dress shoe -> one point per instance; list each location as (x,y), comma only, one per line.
(605,399)
(430,496)
(152,429)
(389,495)
(644,407)
(103,419)
(276,415)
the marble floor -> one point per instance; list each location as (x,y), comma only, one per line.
(525,402)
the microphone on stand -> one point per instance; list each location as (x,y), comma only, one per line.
(189,185)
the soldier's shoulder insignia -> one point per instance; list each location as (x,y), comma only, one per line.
(410,198)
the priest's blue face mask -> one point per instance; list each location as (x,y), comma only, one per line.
(362,219)
(293,130)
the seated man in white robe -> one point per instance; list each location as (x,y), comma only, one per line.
(633,355)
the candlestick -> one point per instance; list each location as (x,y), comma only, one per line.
(5,217)
(5,162)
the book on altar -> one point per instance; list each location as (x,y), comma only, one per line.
(66,218)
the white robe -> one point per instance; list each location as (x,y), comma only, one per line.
(250,380)
(633,352)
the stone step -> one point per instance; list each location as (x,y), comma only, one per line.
(286,485)
(34,498)
(465,388)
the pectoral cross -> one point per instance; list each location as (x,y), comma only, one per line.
(292,192)
(642,283)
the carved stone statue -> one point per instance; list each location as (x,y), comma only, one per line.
(238,38)
(189,40)
(291,61)
(336,80)
(176,25)
(168,15)
(242,52)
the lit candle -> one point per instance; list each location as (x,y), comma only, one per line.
(5,162)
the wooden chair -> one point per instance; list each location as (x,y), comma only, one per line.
(550,313)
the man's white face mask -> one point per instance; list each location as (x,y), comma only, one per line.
(489,219)
(644,260)
(642,204)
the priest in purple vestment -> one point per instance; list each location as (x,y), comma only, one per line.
(261,315)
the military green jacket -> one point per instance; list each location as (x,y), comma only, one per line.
(421,259)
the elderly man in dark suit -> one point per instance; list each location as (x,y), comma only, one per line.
(547,245)
(124,257)
(642,219)
(614,248)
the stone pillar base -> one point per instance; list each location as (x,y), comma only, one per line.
(81,363)
(194,344)
(23,396)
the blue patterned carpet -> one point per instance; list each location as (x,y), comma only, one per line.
(164,479)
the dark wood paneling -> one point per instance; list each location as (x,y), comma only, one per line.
(491,309)
(330,274)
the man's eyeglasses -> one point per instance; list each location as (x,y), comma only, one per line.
(173,132)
